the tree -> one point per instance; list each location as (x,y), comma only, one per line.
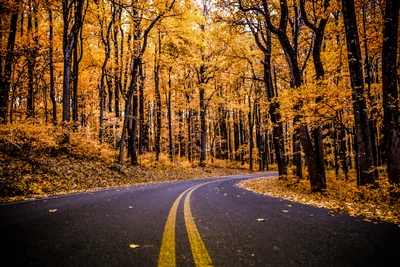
(318,28)
(362,134)
(73,8)
(390,90)
(140,38)
(290,49)
(8,61)
(51,62)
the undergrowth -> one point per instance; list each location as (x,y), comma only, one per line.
(38,160)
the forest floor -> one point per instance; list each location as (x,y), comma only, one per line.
(377,203)
(39,161)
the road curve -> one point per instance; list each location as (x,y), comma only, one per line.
(204,222)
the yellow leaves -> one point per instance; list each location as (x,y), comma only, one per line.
(52,210)
(134,246)
(35,188)
(260,220)
(340,196)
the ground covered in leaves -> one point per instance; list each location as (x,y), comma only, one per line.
(377,203)
(38,161)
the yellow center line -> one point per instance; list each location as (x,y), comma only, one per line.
(167,256)
(199,251)
(167,252)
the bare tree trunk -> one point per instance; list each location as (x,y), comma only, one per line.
(158,100)
(274,111)
(390,90)
(70,37)
(171,143)
(364,147)
(5,78)
(320,73)
(203,127)
(51,55)
(31,58)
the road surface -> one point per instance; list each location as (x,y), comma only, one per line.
(204,222)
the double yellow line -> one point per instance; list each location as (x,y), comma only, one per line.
(167,257)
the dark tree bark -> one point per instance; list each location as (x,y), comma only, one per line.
(320,73)
(274,108)
(118,56)
(105,38)
(368,79)
(171,143)
(203,125)
(136,73)
(364,146)
(31,58)
(390,90)
(302,132)
(70,37)
(158,99)
(143,126)
(135,115)
(6,75)
(51,58)
(289,49)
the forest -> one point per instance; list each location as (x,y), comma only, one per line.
(299,86)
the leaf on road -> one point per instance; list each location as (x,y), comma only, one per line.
(289,205)
(53,210)
(130,207)
(133,246)
(260,220)
(285,210)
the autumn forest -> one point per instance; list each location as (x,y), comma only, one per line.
(297,86)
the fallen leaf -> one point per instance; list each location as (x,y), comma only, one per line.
(285,210)
(133,246)
(53,210)
(130,207)
(260,220)
(289,205)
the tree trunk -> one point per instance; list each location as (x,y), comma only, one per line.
(171,147)
(390,90)
(51,54)
(251,144)
(364,146)
(70,37)
(5,78)
(31,58)
(274,111)
(158,112)
(320,73)
(203,127)
(75,80)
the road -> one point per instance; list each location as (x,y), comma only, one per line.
(204,222)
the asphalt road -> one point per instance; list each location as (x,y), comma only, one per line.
(205,222)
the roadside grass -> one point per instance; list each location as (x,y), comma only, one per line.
(379,202)
(39,161)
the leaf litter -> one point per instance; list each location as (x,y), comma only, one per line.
(378,203)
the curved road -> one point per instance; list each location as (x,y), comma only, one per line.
(205,222)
